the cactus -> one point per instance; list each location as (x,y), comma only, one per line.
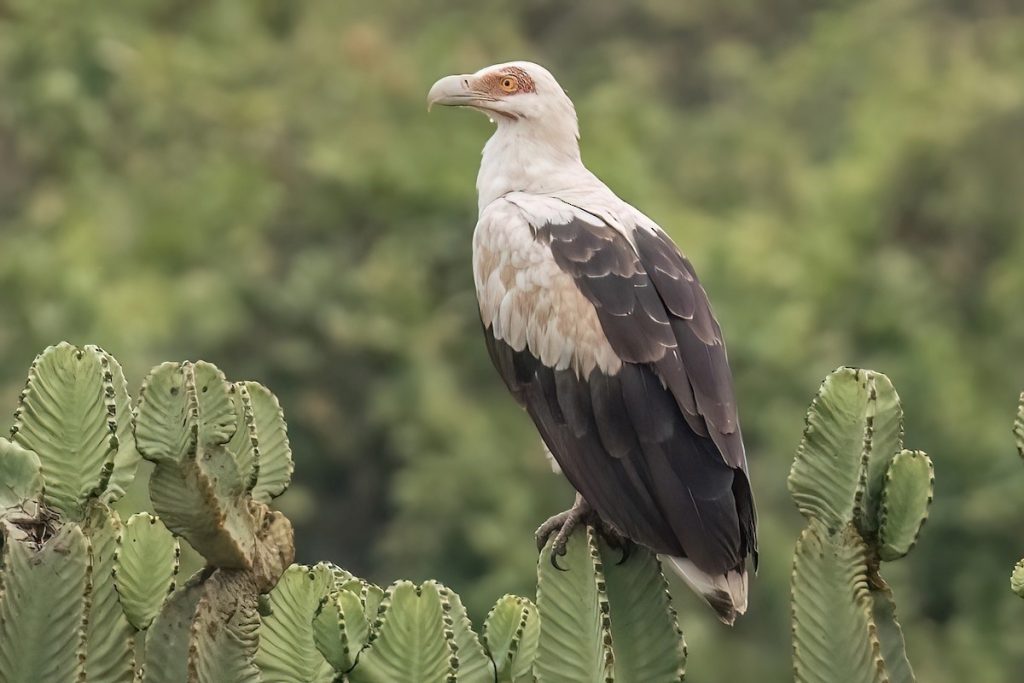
(72,430)
(599,620)
(511,635)
(865,499)
(1018,427)
(110,637)
(1017,576)
(603,620)
(68,416)
(84,584)
(144,568)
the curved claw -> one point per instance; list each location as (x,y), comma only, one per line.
(554,560)
(627,550)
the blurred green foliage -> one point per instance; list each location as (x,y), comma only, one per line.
(256,182)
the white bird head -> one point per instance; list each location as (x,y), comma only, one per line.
(521,93)
(535,147)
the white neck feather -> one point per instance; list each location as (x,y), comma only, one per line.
(531,155)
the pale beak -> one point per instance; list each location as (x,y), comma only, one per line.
(455,91)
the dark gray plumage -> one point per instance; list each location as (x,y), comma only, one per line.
(656,448)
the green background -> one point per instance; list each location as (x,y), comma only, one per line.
(257,183)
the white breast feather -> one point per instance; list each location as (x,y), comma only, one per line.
(527,300)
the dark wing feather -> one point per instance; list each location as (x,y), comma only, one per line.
(655,447)
(653,310)
(622,443)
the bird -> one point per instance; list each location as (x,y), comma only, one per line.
(602,332)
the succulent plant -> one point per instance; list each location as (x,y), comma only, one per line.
(597,620)
(865,499)
(1017,577)
(82,583)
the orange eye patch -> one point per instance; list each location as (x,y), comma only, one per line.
(507,82)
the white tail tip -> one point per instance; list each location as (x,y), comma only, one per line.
(725,593)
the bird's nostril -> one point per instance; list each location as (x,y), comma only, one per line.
(465,82)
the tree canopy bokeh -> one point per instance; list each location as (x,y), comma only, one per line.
(257,183)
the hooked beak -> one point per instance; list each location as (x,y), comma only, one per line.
(456,91)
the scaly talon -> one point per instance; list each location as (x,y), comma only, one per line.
(564,523)
(549,527)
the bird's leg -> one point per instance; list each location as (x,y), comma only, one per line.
(562,525)
(614,538)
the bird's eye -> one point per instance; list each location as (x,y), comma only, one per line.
(509,84)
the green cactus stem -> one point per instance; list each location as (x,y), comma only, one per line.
(575,629)
(866,499)
(274,464)
(1017,577)
(185,418)
(169,638)
(126,458)
(287,647)
(21,480)
(833,635)
(341,629)
(411,640)
(649,645)
(145,566)
(602,620)
(1018,427)
(511,635)
(110,645)
(225,630)
(907,493)
(68,415)
(44,605)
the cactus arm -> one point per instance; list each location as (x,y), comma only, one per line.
(225,630)
(511,635)
(287,651)
(243,445)
(410,640)
(474,665)
(21,478)
(844,617)
(575,632)
(340,629)
(144,568)
(883,440)
(168,639)
(110,644)
(891,635)
(43,606)
(827,474)
(1018,427)
(833,635)
(907,493)
(275,463)
(1017,579)
(186,416)
(68,416)
(1017,576)
(649,645)
(126,459)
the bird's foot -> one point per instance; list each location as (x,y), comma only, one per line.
(564,523)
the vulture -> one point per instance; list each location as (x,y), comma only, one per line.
(601,331)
